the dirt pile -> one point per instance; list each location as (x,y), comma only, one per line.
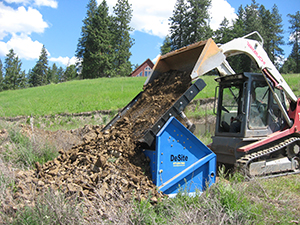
(109,165)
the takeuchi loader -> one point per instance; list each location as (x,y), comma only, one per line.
(257,118)
(257,114)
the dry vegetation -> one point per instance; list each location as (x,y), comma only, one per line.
(230,201)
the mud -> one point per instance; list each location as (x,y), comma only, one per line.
(108,165)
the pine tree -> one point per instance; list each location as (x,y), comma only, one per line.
(266,19)
(122,42)
(295,55)
(252,20)
(198,21)
(95,47)
(224,33)
(289,66)
(272,32)
(166,47)
(12,71)
(248,20)
(239,29)
(70,73)
(22,80)
(1,76)
(60,74)
(178,25)
(295,39)
(277,33)
(39,73)
(52,74)
(82,45)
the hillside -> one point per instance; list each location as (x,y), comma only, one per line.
(76,96)
(90,95)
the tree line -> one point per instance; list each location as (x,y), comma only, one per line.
(190,23)
(103,48)
(12,77)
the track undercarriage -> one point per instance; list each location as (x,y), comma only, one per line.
(275,159)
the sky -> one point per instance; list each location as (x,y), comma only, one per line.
(27,25)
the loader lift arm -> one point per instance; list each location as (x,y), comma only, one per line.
(204,56)
(255,50)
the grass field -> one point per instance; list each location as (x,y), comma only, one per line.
(75,96)
(90,95)
(70,97)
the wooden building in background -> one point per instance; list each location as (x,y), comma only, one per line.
(144,70)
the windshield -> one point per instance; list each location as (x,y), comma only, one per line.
(258,105)
(231,108)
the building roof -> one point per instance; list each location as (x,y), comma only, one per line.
(148,62)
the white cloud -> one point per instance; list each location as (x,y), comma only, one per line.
(156,58)
(152,17)
(24,2)
(17,25)
(219,10)
(64,60)
(23,46)
(49,3)
(20,20)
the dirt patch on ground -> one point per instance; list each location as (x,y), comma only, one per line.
(61,139)
(105,165)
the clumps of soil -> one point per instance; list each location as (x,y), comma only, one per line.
(109,165)
(157,98)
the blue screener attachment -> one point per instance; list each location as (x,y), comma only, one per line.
(181,162)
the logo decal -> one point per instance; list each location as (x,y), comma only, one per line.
(179,160)
(178,164)
(256,53)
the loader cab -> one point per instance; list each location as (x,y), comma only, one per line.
(246,112)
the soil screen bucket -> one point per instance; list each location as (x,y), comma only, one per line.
(181,162)
(195,59)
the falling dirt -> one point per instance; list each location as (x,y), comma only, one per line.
(108,165)
(156,99)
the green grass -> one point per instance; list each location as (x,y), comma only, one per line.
(91,95)
(77,96)
(71,97)
(209,90)
(293,81)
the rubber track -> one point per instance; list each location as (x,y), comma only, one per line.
(244,161)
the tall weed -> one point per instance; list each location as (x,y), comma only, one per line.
(51,208)
(23,151)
